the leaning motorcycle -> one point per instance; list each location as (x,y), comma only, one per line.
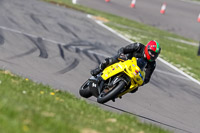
(115,81)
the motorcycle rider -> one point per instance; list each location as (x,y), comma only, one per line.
(149,52)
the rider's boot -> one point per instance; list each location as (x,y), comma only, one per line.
(99,69)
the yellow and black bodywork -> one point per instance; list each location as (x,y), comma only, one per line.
(130,68)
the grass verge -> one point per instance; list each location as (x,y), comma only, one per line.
(196,0)
(27,107)
(174,48)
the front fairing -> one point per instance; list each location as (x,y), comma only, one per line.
(128,67)
(113,70)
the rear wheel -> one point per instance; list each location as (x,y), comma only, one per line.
(112,94)
(84,91)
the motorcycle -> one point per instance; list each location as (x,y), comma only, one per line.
(115,81)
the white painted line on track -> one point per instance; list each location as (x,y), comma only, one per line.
(45,39)
(103,55)
(31,35)
(171,74)
(93,52)
(160,59)
(178,70)
(17,31)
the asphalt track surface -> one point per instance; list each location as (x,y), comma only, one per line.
(58,47)
(180,16)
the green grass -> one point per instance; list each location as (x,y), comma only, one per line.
(196,0)
(27,107)
(182,55)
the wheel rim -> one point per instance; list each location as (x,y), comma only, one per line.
(103,93)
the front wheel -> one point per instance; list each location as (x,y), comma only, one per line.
(105,97)
(84,91)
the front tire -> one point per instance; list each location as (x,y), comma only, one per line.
(103,98)
(84,91)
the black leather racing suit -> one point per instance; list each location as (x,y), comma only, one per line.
(132,50)
(137,50)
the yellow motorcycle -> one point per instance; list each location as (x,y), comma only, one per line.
(115,80)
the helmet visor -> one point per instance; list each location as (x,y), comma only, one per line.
(153,54)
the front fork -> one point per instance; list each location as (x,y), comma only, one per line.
(96,85)
(126,79)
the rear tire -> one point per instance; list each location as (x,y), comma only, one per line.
(84,91)
(112,94)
